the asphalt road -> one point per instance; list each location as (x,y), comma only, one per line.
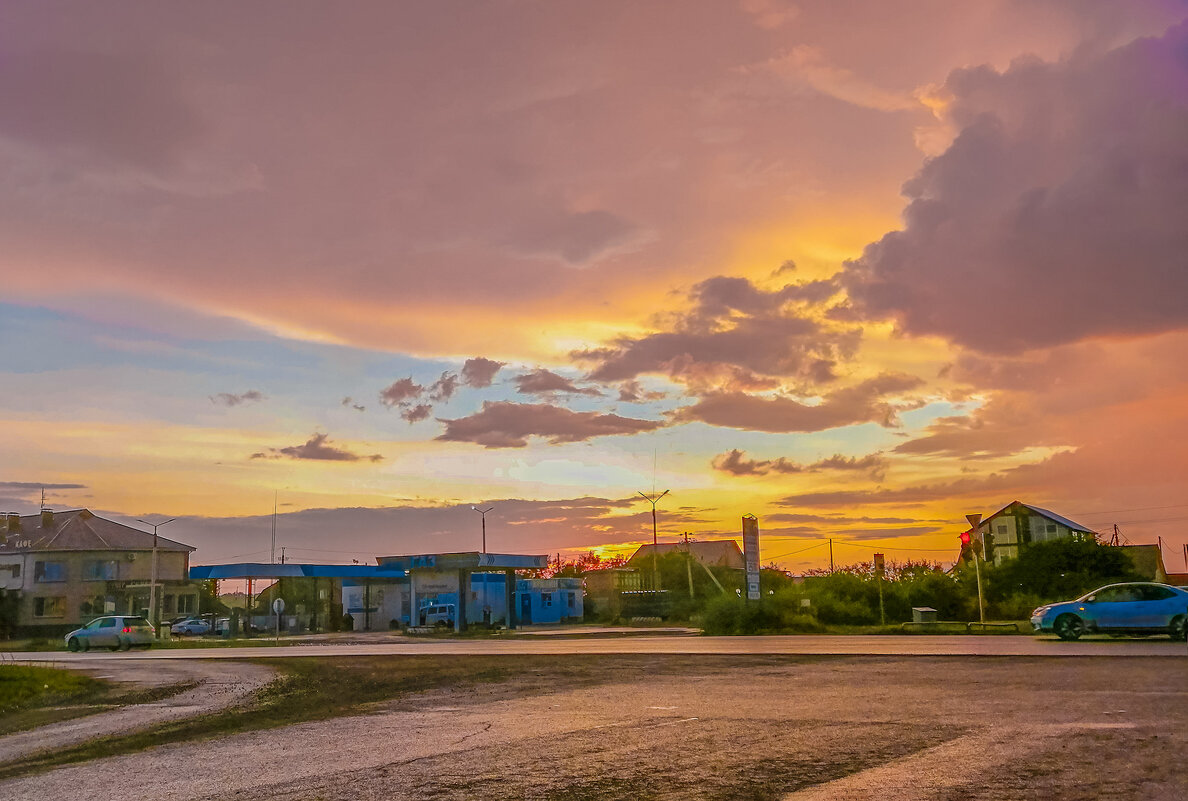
(712,728)
(907,645)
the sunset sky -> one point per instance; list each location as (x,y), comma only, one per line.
(857,268)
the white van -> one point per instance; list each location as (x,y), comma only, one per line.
(439,615)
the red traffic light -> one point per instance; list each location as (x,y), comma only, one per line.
(966,537)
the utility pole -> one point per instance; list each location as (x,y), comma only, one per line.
(979,552)
(154,618)
(272,548)
(689,564)
(655,564)
(831,554)
(282,554)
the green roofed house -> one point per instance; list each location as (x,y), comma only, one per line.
(59,570)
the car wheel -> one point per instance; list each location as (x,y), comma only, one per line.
(1178,629)
(1069,627)
(125,645)
(73,645)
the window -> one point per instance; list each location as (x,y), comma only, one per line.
(1002,529)
(572,600)
(107,622)
(1050,528)
(99,570)
(187,604)
(49,571)
(167,603)
(49,607)
(1153,593)
(546,599)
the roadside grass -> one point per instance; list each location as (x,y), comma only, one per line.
(32,696)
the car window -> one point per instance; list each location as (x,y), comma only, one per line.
(106,622)
(94,624)
(1113,595)
(1153,593)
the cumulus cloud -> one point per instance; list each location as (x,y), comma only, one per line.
(634,392)
(865,402)
(444,388)
(230,399)
(735,334)
(736,463)
(401,391)
(509,425)
(1057,214)
(479,372)
(546,382)
(414,414)
(317,448)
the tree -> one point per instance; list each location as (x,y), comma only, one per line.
(1059,570)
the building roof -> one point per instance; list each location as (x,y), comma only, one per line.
(1147,560)
(1055,518)
(466,560)
(723,553)
(266,570)
(78,530)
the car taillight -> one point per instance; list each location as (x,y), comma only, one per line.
(127,629)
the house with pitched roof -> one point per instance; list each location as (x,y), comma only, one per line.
(1009,531)
(59,570)
(715,553)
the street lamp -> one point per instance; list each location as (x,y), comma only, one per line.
(153,616)
(483,512)
(655,568)
(486,612)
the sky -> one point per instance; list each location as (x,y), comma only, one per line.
(856,268)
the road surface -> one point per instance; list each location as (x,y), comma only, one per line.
(907,645)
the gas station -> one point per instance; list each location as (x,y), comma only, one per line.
(482,588)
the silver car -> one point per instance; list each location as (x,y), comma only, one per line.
(117,632)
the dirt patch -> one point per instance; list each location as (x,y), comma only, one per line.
(147,694)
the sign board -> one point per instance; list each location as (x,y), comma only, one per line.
(750,526)
(880,565)
(278,606)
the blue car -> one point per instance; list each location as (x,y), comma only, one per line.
(1133,608)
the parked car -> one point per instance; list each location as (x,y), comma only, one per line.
(441,615)
(190,625)
(1131,608)
(117,632)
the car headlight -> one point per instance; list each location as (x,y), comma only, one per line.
(1040,610)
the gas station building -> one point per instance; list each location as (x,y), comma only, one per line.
(400,588)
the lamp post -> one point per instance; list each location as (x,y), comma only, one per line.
(461,591)
(153,616)
(655,568)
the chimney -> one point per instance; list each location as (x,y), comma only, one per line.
(13,523)
(47,518)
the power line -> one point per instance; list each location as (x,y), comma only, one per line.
(802,550)
(1136,509)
